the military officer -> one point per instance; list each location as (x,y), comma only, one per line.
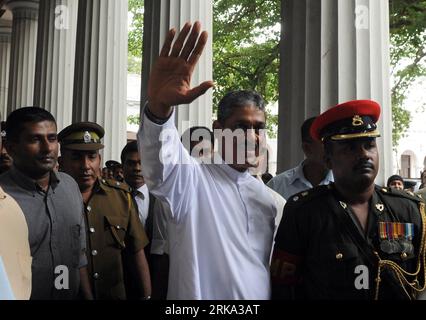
(117,170)
(111,218)
(351,239)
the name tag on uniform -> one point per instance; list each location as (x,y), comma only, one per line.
(396,237)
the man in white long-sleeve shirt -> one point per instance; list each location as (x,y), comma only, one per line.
(222,219)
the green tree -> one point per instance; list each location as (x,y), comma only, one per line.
(135,41)
(408,57)
(246,36)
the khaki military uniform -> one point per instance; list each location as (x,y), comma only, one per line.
(112,226)
(14,246)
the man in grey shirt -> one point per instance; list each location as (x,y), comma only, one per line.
(51,203)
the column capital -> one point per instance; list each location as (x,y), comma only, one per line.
(26,9)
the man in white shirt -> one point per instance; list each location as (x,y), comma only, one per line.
(222,219)
(310,173)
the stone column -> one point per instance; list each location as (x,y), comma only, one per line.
(54,72)
(161,16)
(100,80)
(5,38)
(332,51)
(23,53)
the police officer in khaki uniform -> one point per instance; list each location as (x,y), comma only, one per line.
(111,218)
(350,239)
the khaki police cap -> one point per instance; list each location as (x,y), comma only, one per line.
(84,136)
(111,164)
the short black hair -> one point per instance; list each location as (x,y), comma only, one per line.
(238,99)
(17,119)
(306,128)
(130,147)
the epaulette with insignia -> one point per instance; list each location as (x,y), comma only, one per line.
(310,194)
(117,185)
(399,193)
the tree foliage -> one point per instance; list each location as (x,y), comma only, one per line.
(246,36)
(408,57)
(136,10)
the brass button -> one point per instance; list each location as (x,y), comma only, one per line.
(339,256)
(94,252)
(92,230)
(89,208)
(118,227)
(404,255)
(96,275)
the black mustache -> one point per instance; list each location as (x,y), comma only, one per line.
(46,156)
(364,164)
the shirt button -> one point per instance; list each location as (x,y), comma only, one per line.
(96,275)
(94,252)
(92,230)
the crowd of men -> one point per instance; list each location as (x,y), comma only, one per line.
(176,220)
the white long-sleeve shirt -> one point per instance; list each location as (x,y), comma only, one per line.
(221,225)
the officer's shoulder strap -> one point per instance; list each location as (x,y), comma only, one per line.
(308,195)
(392,192)
(117,185)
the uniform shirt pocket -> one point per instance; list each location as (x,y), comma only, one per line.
(339,263)
(117,227)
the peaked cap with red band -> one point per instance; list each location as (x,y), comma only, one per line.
(349,120)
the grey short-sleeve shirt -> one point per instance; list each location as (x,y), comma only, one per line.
(56,232)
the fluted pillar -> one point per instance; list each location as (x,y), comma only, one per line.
(54,72)
(162,15)
(5,38)
(332,51)
(100,80)
(23,53)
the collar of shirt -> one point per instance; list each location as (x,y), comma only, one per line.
(142,192)
(233,174)
(29,184)
(299,175)
(101,187)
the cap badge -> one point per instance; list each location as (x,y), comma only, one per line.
(87,137)
(357,121)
